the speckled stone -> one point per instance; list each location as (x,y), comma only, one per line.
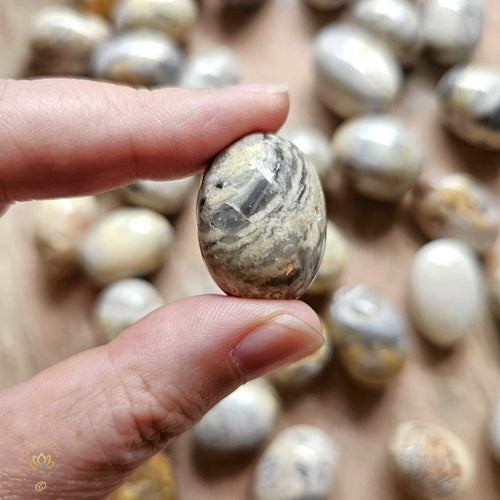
(167,197)
(126,242)
(494,430)
(470,104)
(300,463)
(241,422)
(451,29)
(215,68)
(333,263)
(63,38)
(123,303)
(457,206)
(370,334)
(446,291)
(431,462)
(59,227)
(303,373)
(262,219)
(316,148)
(355,72)
(174,18)
(494,292)
(138,58)
(326,5)
(396,22)
(379,156)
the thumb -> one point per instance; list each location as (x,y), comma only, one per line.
(108,409)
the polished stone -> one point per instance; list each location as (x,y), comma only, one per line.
(300,463)
(355,72)
(470,104)
(432,462)
(457,206)
(380,157)
(369,333)
(262,219)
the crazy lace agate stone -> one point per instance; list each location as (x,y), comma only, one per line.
(300,463)
(470,104)
(262,219)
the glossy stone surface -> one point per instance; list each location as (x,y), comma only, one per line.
(154,480)
(301,462)
(262,219)
(174,18)
(63,38)
(494,293)
(451,29)
(370,334)
(431,462)
(304,372)
(215,68)
(316,148)
(494,430)
(446,291)
(241,422)
(167,197)
(126,242)
(138,58)
(396,22)
(457,206)
(355,72)
(380,157)
(470,104)
(326,4)
(333,263)
(60,226)
(123,303)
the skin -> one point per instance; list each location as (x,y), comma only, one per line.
(109,409)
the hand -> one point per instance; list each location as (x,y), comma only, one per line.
(110,408)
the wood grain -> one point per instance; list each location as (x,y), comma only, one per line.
(43,322)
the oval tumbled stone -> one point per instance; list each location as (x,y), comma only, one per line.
(262,219)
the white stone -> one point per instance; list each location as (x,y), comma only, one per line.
(446,291)
(301,462)
(241,422)
(123,303)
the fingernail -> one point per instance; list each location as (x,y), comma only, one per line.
(282,340)
(267,88)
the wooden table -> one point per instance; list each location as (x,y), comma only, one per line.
(43,322)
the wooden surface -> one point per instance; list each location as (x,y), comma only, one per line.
(43,322)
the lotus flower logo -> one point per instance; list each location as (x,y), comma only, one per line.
(41,462)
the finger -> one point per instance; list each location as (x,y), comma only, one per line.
(67,137)
(108,409)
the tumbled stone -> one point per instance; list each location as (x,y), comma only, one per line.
(126,242)
(123,303)
(326,5)
(241,422)
(457,206)
(262,219)
(301,462)
(174,18)
(333,263)
(379,156)
(138,58)
(495,293)
(451,29)
(316,148)
(470,104)
(494,430)
(215,68)
(431,462)
(396,22)
(355,72)
(60,226)
(62,40)
(370,334)
(167,197)
(446,291)
(302,373)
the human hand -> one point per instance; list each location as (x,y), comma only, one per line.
(110,408)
